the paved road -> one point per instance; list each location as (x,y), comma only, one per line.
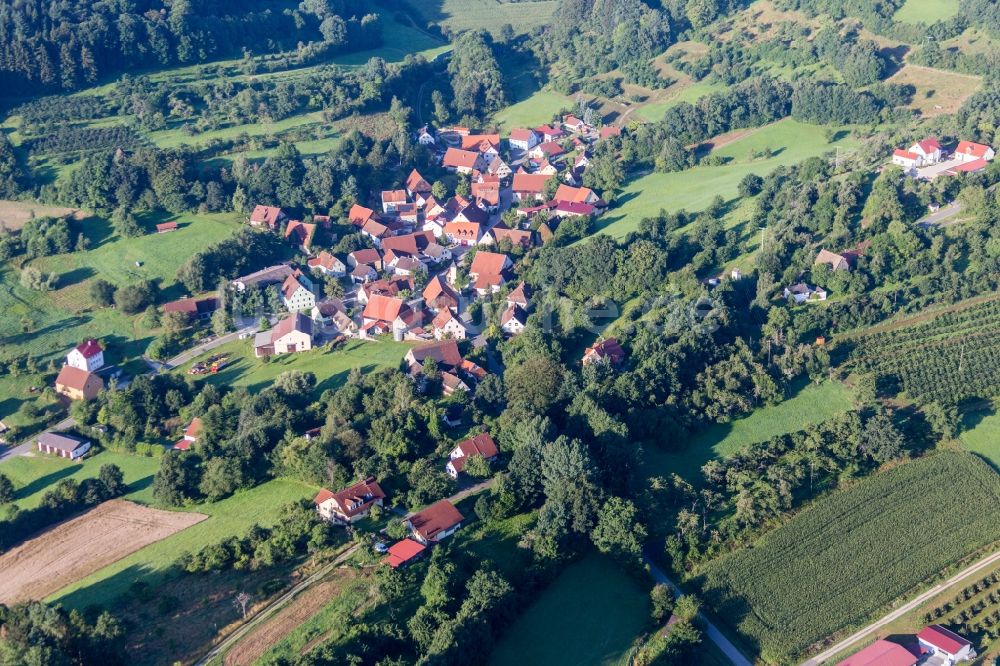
(28,446)
(942,215)
(713,633)
(191,353)
(902,610)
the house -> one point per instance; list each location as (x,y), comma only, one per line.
(290,335)
(445,353)
(77,384)
(881,653)
(350,504)
(481,445)
(392,199)
(605,351)
(487,195)
(609,131)
(476,141)
(802,292)
(87,356)
(550,133)
(574,124)
(271,275)
(572,209)
(471,213)
(461,161)
(191,435)
(436,522)
(436,254)
(463,233)
(550,150)
(517,237)
(424,137)
(363,273)
(384,314)
(359,215)
(327,264)
(523,139)
(368,256)
(497,167)
(324,311)
(438,295)
(193,307)
(267,216)
(968,151)
(165,227)
(546,168)
(322,220)
(446,325)
(519,296)
(529,186)
(488,271)
(390,286)
(928,151)
(904,158)
(450,382)
(300,234)
(403,552)
(296,293)
(583,195)
(946,645)
(64,446)
(836,262)
(417,185)
(376,231)
(513,320)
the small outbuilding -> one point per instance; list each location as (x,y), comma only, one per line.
(64,446)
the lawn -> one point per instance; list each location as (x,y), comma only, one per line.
(693,189)
(227,517)
(34,475)
(330,367)
(589,615)
(850,555)
(461,15)
(982,435)
(813,404)
(535,110)
(926,11)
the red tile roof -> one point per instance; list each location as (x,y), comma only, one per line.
(972,149)
(74,378)
(358,497)
(969,167)
(393,196)
(605,349)
(488,266)
(384,308)
(943,639)
(293,322)
(300,231)
(358,215)
(929,145)
(480,445)
(438,293)
(444,352)
(575,194)
(194,428)
(456,158)
(403,551)
(610,130)
(367,256)
(265,215)
(436,518)
(325,260)
(881,653)
(165,226)
(529,183)
(521,134)
(416,183)
(905,154)
(473,141)
(89,348)
(322,496)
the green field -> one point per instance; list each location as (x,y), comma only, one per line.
(982,436)
(460,15)
(850,555)
(813,404)
(926,11)
(654,110)
(693,189)
(34,475)
(330,367)
(228,517)
(588,615)
(535,110)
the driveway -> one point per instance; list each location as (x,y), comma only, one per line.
(941,215)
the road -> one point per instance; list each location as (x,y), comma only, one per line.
(902,610)
(27,446)
(941,215)
(713,633)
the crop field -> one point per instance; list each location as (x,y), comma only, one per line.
(35,474)
(587,616)
(227,517)
(72,550)
(852,553)
(948,358)
(694,189)
(926,11)
(814,404)
(459,15)
(13,214)
(937,91)
(331,367)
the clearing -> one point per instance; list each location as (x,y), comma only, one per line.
(937,92)
(926,11)
(588,615)
(847,556)
(72,550)
(13,214)
(982,435)
(461,15)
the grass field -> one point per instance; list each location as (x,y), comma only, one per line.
(33,475)
(535,110)
(937,91)
(983,436)
(589,615)
(460,15)
(926,11)
(13,214)
(330,367)
(693,189)
(227,517)
(851,554)
(683,91)
(813,404)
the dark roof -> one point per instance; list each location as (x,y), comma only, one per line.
(445,351)
(89,348)
(295,322)
(61,442)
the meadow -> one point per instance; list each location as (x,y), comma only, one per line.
(813,404)
(852,553)
(589,615)
(535,110)
(937,91)
(926,11)
(491,15)
(693,189)
(982,435)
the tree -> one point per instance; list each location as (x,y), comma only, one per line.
(618,530)
(943,419)
(102,293)
(661,599)
(880,439)
(751,185)
(7,492)
(222,322)
(477,467)
(172,481)
(536,382)
(687,607)
(113,479)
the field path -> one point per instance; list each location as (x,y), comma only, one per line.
(902,610)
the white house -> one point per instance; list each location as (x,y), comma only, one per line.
(513,319)
(968,151)
(350,504)
(446,325)
(87,356)
(296,293)
(523,139)
(424,137)
(946,645)
(436,522)
(291,334)
(482,445)
(802,293)
(328,264)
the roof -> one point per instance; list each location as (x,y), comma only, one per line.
(384,308)
(442,319)
(516,312)
(366,256)
(488,191)
(301,231)
(973,149)
(325,260)
(488,263)
(436,518)
(75,378)
(353,499)
(610,130)
(943,639)
(480,445)
(374,229)
(574,208)
(445,351)
(473,214)
(266,215)
(881,653)
(358,215)
(416,183)
(89,348)
(437,288)
(454,157)
(323,495)
(515,236)
(403,551)
(166,226)
(468,230)
(194,428)
(831,258)
(192,305)
(475,140)
(905,154)
(521,134)
(66,443)
(607,348)
(574,194)
(393,196)
(296,322)
(551,148)
(970,166)
(928,145)
(291,285)
(529,182)
(520,294)
(550,130)
(276,273)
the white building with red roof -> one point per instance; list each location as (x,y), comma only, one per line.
(87,356)
(327,264)
(191,435)
(605,351)
(968,151)
(946,645)
(267,216)
(350,504)
(436,522)
(489,271)
(482,445)
(523,139)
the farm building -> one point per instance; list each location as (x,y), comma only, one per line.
(165,227)
(436,522)
(191,435)
(77,384)
(881,653)
(291,334)
(944,644)
(350,504)
(193,307)
(64,446)
(402,552)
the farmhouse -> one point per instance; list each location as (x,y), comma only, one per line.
(968,151)
(513,320)
(327,264)
(836,262)
(267,216)
(550,150)
(265,276)
(489,271)
(523,139)
(87,356)
(461,161)
(436,522)
(481,445)
(64,446)
(300,234)
(291,334)
(350,504)
(365,257)
(392,199)
(529,186)
(193,307)
(802,293)
(444,353)
(463,233)
(946,645)
(583,195)
(498,168)
(438,295)
(77,384)
(517,237)
(550,133)
(384,314)
(604,351)
(476,141)
(446,325)
(191,435)
(402,552)
(881,653)
(376,231)
(296,293)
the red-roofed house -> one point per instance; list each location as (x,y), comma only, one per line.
(350,504)
(945,644)
(446,325)
(384,314)
(968,151)
(905,159)
(77,384)
(403,552)
(416,184)
(436,522)
(605,351)
(480,445)
(291,334)
(445,353)
(191,435)
(928,151)
(609,131)
(513,320)
(488,271)
(268,216)
(881,653)
(87,356)
(327,264)
(519,296)
(574,124)
(193,307)
(475,141)
(392,199)
(461,161)
(359,215)
(516,236)
(523,139)
(577,195)
(550,133)
(438,295)
(529,186)
(549,150)
(296,293)
(572,209)
(300,233)
(463,233)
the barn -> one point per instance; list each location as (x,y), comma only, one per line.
(64,446)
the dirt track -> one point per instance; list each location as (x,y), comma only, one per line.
(74,549)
